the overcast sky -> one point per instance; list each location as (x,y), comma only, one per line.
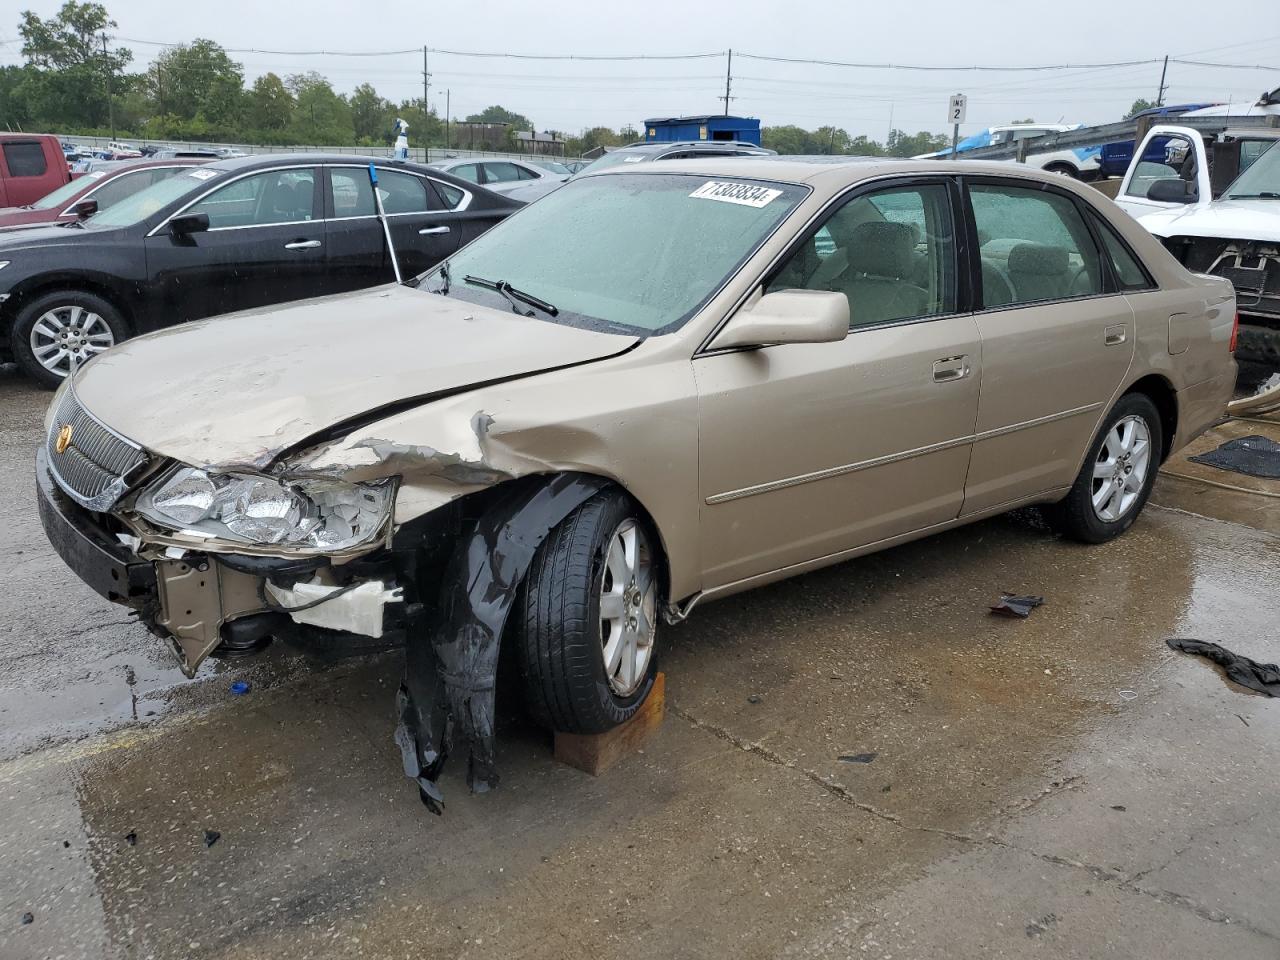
(573,95)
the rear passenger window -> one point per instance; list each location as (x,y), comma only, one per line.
(401,192)
(1129,272)
(25,159)
(1035,246)
(891,252)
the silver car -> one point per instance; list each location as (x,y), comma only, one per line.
(525,180)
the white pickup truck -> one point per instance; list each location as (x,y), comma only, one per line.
(1216,207)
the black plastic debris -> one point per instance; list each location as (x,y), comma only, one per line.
(1119,806)
(1261,677)
(451,653)
(1015,606)
(856,757)
(1253,456)
(210,838)
(28,918)
(131,838)
(754,698)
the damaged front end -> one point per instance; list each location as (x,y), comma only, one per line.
(1253,267)
(219,562)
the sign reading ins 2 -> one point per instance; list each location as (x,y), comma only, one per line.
(956,108)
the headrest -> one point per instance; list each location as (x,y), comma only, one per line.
(1038,259)
(882,248)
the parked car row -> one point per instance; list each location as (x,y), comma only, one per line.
(203,239)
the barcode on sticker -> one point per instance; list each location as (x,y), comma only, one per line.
(747,194)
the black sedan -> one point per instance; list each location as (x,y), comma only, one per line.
(226,236)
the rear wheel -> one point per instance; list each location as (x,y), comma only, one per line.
(1116,479)
(1065,169)
(586,618)
(58,330)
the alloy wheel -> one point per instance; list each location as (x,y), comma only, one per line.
(628,608)
(1120,472)
(67,335)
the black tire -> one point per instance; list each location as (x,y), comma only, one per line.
(30,313)
(1065,169)
(1074,515)
(556,622)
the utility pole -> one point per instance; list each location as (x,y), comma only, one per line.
(426,105)
(889,136)
(111,106)
(447,105)
(1163,71)
(728,83)
(160,87)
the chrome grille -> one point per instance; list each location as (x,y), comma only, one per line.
(95,467)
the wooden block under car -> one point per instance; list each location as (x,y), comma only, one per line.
(597,752)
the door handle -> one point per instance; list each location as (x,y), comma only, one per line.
(951,368)
(302,245)
(432,231)
(1114,334)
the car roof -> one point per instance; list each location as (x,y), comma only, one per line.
(1252,133)
(824,171)
(657,146)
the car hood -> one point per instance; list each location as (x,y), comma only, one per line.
(1226,219)
(24,216)
(240,389)
(43,237)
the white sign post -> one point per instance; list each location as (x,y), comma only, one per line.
(955,113)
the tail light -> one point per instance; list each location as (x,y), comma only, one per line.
(1235,333)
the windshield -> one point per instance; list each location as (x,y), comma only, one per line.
(641,252)
(66,192)
(554,166)
(147,201)
(1262,179)
(614,159)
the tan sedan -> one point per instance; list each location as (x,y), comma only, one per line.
(652,388)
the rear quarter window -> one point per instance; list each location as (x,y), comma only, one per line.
(25,159)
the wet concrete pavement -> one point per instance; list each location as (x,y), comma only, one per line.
(1064,786)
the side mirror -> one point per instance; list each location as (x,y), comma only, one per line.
(1173,190)
(788,316)
(189,223)
(85,208)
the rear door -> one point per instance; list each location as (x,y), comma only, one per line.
(264,245)
(424,231)
(810,450)
(1057,339)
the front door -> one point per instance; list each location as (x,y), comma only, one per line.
(1057,339)
(264,245)
(808,450)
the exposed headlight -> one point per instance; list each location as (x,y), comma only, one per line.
(245,508)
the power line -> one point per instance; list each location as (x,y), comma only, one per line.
(963,68)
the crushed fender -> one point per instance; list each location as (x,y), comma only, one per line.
(451,651)
(1261,677)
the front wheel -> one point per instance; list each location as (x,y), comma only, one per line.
(59,330)
(586,618)
(1116,479)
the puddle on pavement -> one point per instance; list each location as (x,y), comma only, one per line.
(323,844)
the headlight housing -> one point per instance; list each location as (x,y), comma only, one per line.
(318,514)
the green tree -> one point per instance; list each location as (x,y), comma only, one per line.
(71,72)
(902,144)
(270,105)
(1138,106)
(199,80)
(496,114)
(320,116)
(372,115)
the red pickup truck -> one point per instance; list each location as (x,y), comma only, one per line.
(31,165)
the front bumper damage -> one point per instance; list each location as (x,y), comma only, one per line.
(443,588)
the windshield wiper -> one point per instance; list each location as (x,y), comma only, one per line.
(511,295)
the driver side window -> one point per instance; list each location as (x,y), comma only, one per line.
(274,196)
(891,252)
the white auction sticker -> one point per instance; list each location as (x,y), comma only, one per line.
(203,174)
(747,194)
